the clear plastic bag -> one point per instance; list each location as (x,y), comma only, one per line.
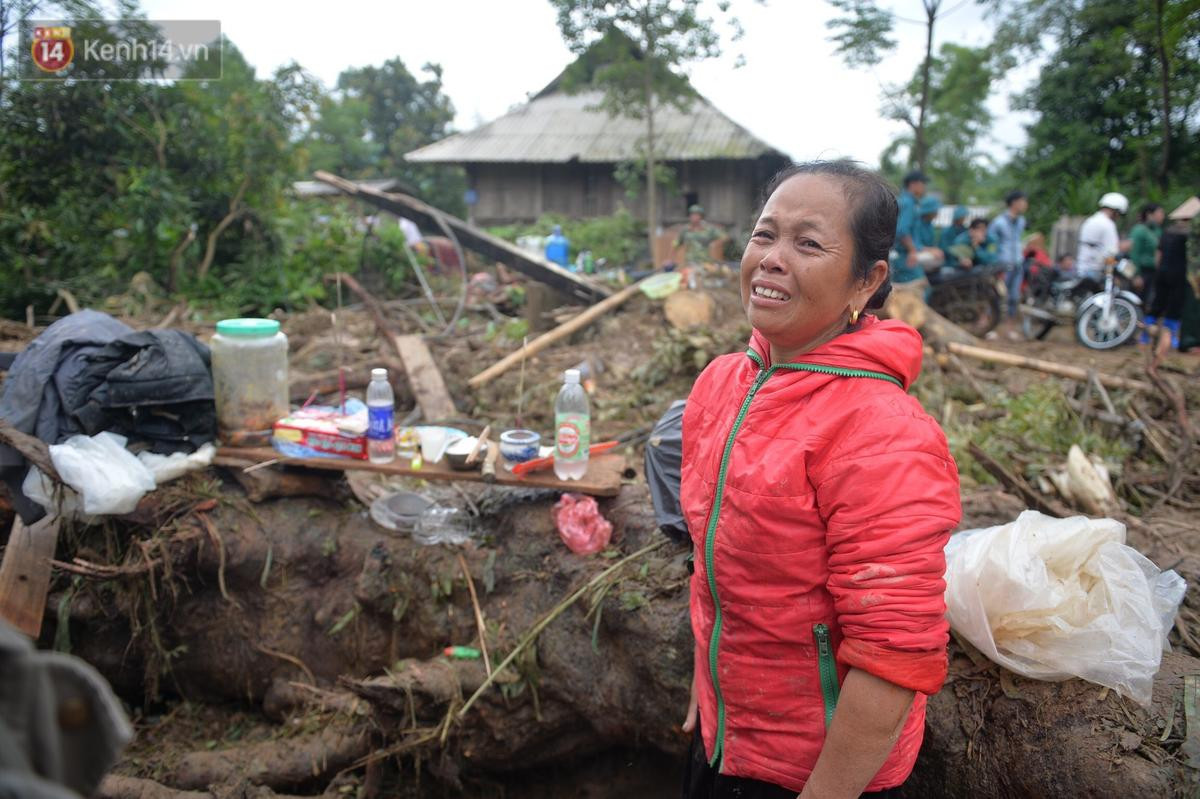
(1055,598)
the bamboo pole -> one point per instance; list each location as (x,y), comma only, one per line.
(1049,367)
(562,331)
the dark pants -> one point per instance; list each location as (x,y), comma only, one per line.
(701,781)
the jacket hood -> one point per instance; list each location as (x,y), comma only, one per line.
(878,345)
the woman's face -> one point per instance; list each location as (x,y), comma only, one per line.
(798,284)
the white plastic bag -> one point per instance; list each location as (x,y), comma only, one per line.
(165,468)
(1055,598)
(107,477)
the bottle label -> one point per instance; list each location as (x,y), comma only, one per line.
(379,422)
(574,435)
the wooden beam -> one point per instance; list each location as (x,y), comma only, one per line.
(424,379)
(603,477)
(473,238)
(562,331)
(25,573)
(1049,367)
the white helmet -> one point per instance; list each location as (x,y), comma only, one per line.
(1116,201)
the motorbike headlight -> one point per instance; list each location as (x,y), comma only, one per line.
(1127,268)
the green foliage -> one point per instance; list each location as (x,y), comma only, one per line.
(189,182)
(620,239)
(864,35)
(1102,121)
(376,115)
(1036,423)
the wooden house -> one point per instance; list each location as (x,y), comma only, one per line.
(557,153)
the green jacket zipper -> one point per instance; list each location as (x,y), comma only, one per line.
(828,670)
(714,516)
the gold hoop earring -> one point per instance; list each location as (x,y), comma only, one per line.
(854,317)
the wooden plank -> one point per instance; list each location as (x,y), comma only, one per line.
(603,478)
(562,331)
(473,238)
(425,379)
(1049,367)
(25,573)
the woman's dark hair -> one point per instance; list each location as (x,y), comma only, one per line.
(873,212)
(1147,209)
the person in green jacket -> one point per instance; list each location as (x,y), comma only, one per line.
(1144,244)
(950,233)
(974,247)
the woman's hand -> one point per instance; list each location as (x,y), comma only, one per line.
(689,722)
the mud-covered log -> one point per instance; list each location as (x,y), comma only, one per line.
(287,763)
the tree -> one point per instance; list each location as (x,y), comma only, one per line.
(960,80)
(864,37)
(376,115)
(1106,118)
(632,51)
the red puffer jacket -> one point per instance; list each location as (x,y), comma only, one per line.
(819,496)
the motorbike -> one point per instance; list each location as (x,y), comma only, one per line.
(1104,313)
(968,297)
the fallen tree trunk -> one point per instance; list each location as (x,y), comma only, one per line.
(288,763)
(317,593)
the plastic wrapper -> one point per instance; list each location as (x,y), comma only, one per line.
(580,525)
(165,468)
(107,478)
(1053,599)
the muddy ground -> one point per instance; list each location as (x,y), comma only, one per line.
(295,628)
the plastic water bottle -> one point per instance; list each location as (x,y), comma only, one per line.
(381,410)
(573,429)
(557,246)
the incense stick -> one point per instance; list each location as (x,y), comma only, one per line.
(521,382)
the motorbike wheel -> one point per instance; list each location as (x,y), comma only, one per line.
(973,306)
(1092,332)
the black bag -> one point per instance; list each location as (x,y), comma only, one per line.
(664,457)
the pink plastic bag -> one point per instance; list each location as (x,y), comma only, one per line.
(580,524)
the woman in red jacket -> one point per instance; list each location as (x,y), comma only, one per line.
(819,496)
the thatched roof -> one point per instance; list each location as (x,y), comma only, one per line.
(559,127)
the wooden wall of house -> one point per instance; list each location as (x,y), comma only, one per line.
(520,193)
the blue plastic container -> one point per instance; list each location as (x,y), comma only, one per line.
(557,247)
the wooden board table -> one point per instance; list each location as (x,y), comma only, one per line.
(603,478)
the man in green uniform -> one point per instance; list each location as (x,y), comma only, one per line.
(694,241)
(1144,245)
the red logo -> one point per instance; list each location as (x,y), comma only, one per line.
(568,439)
(52,49)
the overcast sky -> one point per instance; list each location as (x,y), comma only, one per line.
(793,92)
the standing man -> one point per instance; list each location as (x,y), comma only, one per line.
(905,268)
(1007,230)
(693,247)
(1143,248)
(1098,237)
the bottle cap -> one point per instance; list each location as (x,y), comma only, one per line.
(379,374)
(248,328)
(571,376)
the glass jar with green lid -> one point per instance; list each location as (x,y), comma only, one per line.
(250,375)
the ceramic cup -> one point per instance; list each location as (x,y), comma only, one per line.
(518,446)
